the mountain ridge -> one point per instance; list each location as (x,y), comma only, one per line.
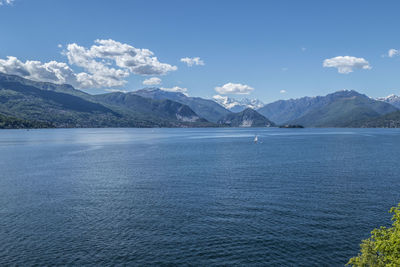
(64,106)
(24,102)
(205,108)
(338,109)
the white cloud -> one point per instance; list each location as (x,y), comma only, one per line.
(105,64)
(60,72)
(53,71)
(152,81)
(234,88)
(7,2)
(126,57)
(393,52)
(109,62)
(175,89)
(303,49)
(282,91)
(346,64)
(59,45)
(190,61)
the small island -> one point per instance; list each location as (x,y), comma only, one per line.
(291,126)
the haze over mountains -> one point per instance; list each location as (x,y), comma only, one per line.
(29,104)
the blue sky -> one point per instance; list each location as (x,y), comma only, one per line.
(263,48)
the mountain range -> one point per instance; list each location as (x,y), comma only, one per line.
(30,104)
(344,108)
(64,106)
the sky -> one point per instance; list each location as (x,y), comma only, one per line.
(267,50)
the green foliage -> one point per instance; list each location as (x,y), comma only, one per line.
(7,122)
(383,247)
(391,120)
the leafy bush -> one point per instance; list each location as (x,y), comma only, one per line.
(383,247)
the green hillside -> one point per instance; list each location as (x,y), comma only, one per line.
(205,108)
(131,104)
(344,112)
(246,118)
(7,122)
(391,120)
(63,106)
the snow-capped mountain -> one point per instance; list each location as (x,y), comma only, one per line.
(236,105)
(391,99)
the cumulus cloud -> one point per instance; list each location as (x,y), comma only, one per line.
(53,71)
(190,61)
(106,64)
(234,88)
(109,61)
(6,2)
(175,89)
(60,72)
(282,91)
(393,52)
(152,81)
(124,56)
(346,64)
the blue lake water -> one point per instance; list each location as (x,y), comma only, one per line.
(299,197)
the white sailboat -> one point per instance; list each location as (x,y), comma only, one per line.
(256,139)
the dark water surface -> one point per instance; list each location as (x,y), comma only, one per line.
(300,197)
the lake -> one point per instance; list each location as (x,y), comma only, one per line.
(106,197)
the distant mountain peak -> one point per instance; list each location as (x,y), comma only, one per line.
(236,105)
(346,92)
(159,91)
(150,89)
(392,99)
(147,90)
(389,98)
